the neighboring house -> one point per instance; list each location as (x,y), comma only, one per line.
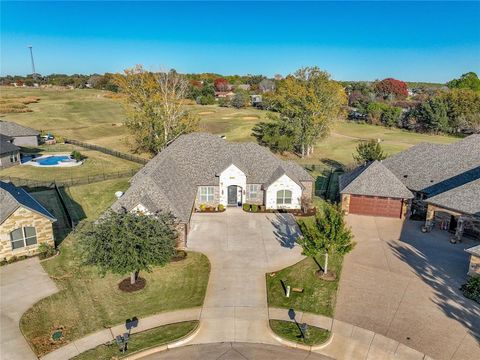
(201,168)
(224,94)
(22,135)
(255,100)
(443,180)
(24,223)
(474,268)
(9,153)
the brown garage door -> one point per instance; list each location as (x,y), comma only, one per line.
(375,206)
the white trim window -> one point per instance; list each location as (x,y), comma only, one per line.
(22,237)
(284,197)
(253,190)
(206,194)
(13,157)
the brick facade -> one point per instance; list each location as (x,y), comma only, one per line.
(23,217)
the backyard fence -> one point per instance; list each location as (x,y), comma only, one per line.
(64,206)
(326,180)
(69,181)
(121,155)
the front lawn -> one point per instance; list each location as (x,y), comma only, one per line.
(290,331)
(87,302)
(318,295)
(141,341)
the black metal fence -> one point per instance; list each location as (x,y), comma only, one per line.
(108,151)
(326,180)
(30,183)
(71,223)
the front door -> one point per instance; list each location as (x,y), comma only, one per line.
(232,195)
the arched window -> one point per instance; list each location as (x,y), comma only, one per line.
(22,237)
(284,197)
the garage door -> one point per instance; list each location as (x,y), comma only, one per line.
(375,206)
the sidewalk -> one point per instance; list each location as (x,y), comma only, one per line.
(104,336)
(350,341)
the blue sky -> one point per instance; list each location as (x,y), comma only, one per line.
(414,41)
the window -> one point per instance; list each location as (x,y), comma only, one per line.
(252,190)
(284,197)
(206,194)
(13,158)
(23,237)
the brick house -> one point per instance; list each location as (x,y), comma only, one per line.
(201,168)
(9,153)
(24,223)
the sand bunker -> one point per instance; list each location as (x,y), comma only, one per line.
(226,118)
(206,112)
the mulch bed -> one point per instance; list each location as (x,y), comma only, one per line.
(329,276)
(125,285)
(181,255)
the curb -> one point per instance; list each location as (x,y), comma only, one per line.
(295,345)
(165,347)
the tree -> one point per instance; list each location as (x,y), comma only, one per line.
(276,136)
(240,99)
(221,84)
(307,103)
(469,80)
(391,116)
(127,242)
(374,112)
(328,234)
(156,111)
(391,87)
(432,115)
(369,151)
(463,109)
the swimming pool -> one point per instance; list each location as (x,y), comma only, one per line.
(52,160)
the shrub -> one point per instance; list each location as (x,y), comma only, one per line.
(12,259)
(76,155)
(254,208)
(45,251)
(202,207)
(246,207)
(471,289)
(221,207)
(3,262)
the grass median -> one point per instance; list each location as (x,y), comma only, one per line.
(291,331)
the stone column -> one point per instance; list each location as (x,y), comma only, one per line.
(430,216)
(460,228)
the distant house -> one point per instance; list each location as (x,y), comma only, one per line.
(256,100)
(24,223)
(442,182)
(245,87)
(9,153)
(21,135)
(201,169)
(224,94)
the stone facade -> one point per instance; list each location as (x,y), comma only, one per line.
(474,268)
(345,203)
(257,200)
(182,231)
(308,191)
(23,217)
(216,198)
(9,159)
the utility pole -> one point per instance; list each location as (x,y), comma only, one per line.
(33,63)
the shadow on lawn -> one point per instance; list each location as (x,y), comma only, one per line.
(443,266)
(285,229)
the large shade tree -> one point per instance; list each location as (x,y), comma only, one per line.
(367,151)
(127,243)
(328,235)
(306,103)
(155,107)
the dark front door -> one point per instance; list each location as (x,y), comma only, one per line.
(232,195)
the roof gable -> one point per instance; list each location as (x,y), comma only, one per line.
(13,129)
(373,179)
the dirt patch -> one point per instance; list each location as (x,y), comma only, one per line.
(125,285)
(329,276)
(206,112)
(226,118)
(250,118)
(117,124)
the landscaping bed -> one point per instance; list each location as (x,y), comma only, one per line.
(262,209)
(291,331)
(141,341)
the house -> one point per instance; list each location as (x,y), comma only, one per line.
(201,168)
(9,153)
(224,94)
(474,267)
(24,223)
(256,100)
(22,135)
(443,182)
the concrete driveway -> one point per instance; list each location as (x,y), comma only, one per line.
(241,247)
(404,284)
(22,284)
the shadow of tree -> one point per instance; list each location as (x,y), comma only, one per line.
(443,266)
(286,230)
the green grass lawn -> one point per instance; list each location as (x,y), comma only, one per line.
(95,164)
(141,341)
(290,331)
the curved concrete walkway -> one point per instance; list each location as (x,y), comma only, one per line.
(22,284)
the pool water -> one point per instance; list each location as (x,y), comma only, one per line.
(52,160)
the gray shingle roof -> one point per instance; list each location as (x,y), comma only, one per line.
(474,250)
(11,198)
(6,146)
(169,181)
(465,198)
(434,168)
(10,128)
(373,179)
